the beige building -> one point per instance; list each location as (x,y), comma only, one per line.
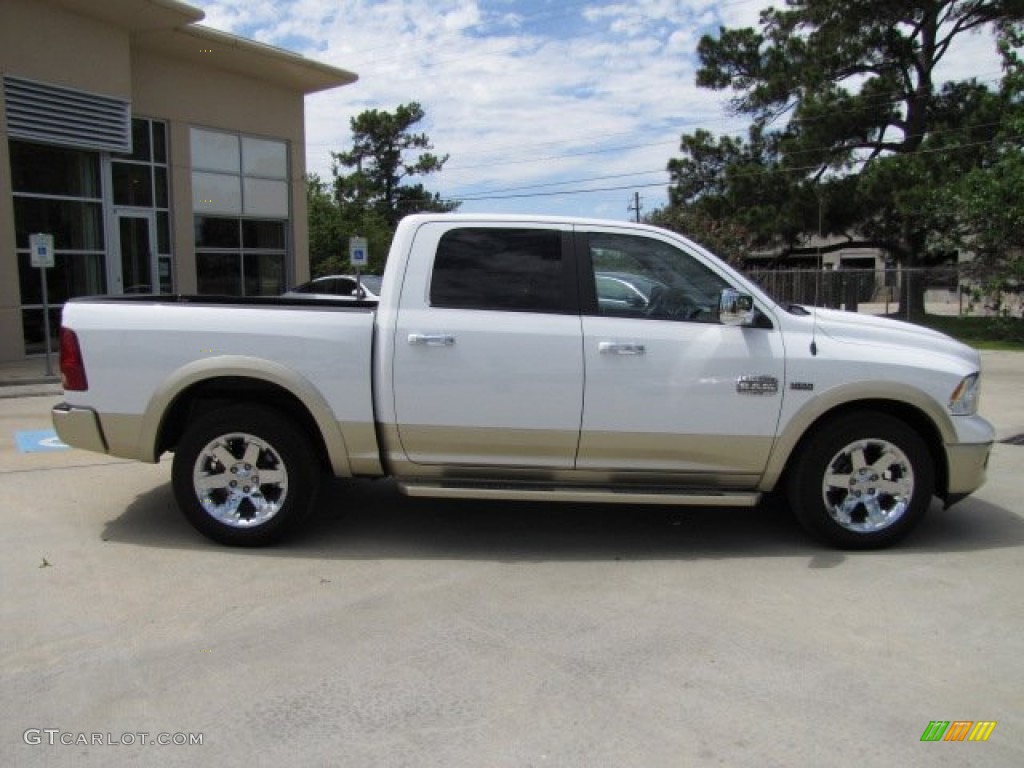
(160,155)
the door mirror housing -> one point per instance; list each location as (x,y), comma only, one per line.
(735,308)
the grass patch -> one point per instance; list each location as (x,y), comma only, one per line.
(1001,333)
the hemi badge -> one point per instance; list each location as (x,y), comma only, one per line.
(802,386)
(757,385)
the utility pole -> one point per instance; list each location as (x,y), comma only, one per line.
(635,207)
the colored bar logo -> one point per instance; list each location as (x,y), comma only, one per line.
(958,730)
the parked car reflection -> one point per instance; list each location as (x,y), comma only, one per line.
(337,287)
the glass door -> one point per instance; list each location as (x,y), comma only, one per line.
(134,267)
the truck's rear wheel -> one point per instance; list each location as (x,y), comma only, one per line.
(862,481)
(244,475)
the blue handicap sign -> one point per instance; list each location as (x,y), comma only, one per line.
(39,441)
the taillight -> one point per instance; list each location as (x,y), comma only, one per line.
(72,367)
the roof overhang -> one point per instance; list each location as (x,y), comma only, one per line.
(209,47)
(136,15)
(169,27)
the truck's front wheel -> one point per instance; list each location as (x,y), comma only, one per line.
(862,481)
(244,475)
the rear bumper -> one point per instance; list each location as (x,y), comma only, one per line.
(79,427)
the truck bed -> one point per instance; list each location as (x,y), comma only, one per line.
(145,352)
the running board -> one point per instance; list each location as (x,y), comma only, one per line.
(526,492)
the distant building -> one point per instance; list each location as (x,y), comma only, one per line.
(160,154)
(813,252)
(844,272)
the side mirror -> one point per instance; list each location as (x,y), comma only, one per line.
(735,308)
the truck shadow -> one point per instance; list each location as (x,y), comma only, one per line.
(371,520)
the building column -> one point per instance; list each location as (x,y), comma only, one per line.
(183,236)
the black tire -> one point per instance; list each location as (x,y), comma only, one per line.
(862,481)
(216,475)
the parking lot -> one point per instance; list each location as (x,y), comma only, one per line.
(403,632)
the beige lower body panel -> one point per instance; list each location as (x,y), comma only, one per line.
(968,466)
(505,447)
(124,437)
(468,460)
(356,451)
(727,455)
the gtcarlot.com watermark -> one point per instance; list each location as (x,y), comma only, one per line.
(56,737)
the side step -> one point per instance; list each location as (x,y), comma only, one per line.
(585,495)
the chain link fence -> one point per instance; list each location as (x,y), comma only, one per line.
(947,290)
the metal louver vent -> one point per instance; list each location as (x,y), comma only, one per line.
(56,115)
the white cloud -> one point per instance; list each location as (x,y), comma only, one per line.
(519,93)
(514,92)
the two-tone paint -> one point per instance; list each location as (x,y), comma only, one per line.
(572,405)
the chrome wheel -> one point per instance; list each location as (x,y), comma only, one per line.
(868,485)
(863,479)
(240,480)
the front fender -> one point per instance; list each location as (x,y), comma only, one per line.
(845,396)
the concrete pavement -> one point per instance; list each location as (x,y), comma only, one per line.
(407,632)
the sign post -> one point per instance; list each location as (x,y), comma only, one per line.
(359,258)
(41,246)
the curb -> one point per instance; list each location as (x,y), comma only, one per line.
(13,388)
(27,382)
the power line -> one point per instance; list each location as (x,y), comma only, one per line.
(472,195)
(812,150)
(560,192)
(503,193)
(701,123)
(564,156)
(749,174)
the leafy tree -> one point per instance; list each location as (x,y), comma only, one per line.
(370,201)
(986,214)
(380,143)
(326,229)
(725,237)
(739,181)
(331,224)
(849,124)
(982,211)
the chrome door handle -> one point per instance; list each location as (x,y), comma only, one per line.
(621,348)
(431,339)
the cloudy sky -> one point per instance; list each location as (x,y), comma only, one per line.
(545,106)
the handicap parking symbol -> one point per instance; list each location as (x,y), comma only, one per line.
(39,441)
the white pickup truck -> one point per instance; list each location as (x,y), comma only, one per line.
(521,357)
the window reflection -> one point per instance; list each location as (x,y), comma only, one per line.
(76,225)
(45,170)
(504,269)
(641,277)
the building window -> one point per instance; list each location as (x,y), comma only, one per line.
(59,190)
(56,190)
(240,257)
(140,180)
(241,205)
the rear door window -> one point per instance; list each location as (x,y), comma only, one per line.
(510,269)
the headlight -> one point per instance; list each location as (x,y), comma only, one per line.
(964,400)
